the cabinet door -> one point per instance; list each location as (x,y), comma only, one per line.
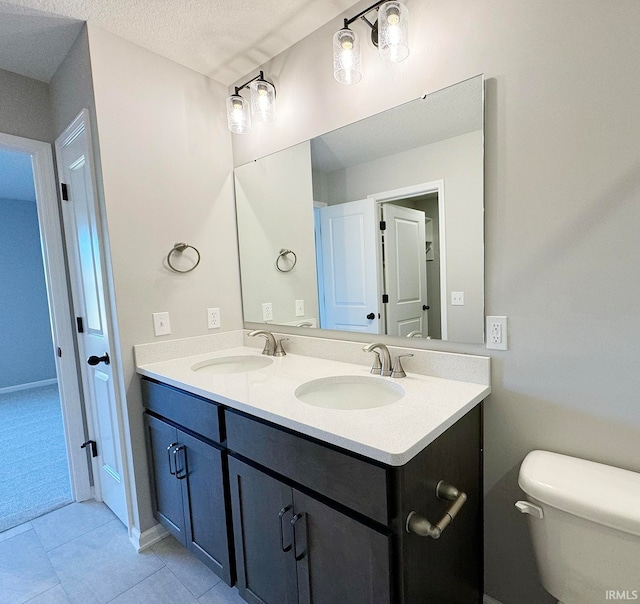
(199,468)
(262,512)
(339,559)
(166,490)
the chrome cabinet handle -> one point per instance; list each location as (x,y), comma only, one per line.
(421,526)
(283,511)
(169,456)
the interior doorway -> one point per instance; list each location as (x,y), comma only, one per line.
(34,475)
(58,387)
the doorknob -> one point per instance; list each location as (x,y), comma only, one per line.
(425,307)
(94,360)
(371,316)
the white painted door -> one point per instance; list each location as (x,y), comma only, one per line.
(351,289)
(84,250)
(405,272)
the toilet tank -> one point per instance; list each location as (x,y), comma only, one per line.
(587,540)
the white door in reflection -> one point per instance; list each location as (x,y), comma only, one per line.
(405,273)
(352,296)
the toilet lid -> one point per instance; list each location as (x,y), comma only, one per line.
(593,491)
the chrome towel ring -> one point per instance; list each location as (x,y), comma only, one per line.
(284,253)
(181,247)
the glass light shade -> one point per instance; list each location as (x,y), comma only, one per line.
(263,100)
(346,57)
(238,116)
(393,32)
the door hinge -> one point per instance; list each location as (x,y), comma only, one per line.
(93,445)
(59,351)
(385,298)
(80,324)
(383,225)
(65,193)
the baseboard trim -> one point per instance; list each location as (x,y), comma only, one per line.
(489,600)
(28,386)
(142,541)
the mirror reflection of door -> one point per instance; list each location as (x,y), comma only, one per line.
(375,262)
(350,273)
(404,271)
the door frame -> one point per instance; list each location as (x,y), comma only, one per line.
(67,370)
(434,186)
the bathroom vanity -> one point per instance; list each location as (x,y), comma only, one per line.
(299,503)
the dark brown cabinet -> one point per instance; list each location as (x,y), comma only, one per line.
(188,491)
(290,547)
(300,521)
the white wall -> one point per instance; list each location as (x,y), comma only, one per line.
(457,161)
(562,208)
(24,107)
(166,169)
(275,211)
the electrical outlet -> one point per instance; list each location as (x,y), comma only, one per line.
(299,308)
(161,324)
(267,311)
(213,318)
(457,298)
(497,336)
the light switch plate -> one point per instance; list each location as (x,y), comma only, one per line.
(299,308)
(161,324)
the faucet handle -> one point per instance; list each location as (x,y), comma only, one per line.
(376,368)
(398,370)
(279,351)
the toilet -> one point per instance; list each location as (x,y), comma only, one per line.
(584,519)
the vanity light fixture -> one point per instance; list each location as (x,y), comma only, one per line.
(262,106)
(389,33)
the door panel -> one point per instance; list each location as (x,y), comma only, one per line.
(343,561)
(351,292)
(166,488)
(204,503)
(84,250)
(262,511)
(405,273)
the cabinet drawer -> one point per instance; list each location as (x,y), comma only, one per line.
(194,413)
(350,481)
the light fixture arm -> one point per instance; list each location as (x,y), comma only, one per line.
(363,14)
(260,76)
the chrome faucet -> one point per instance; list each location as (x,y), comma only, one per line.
(383,368)
(270,343)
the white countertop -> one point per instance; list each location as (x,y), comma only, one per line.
(392,434)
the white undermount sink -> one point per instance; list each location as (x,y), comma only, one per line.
(349,392)
(232,364)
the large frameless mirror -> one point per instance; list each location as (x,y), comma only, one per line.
(376,227)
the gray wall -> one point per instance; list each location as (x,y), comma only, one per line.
(562,197)
(24,107)
(165,156)
(26,348)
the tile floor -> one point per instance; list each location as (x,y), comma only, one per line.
(81,554)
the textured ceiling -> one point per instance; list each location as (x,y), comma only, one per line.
(223,39)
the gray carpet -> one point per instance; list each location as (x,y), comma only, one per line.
(34,472)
